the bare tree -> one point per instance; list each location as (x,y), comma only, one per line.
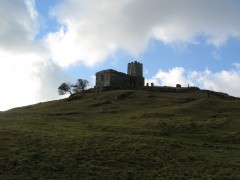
(80,85)
(65,88)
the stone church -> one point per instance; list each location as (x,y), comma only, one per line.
(112,78)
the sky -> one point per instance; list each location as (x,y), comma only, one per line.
(44,43)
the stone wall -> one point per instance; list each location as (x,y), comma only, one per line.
(111,78)
(103,78)
(119,79)
(137,81)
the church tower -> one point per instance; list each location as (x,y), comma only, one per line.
(135,70)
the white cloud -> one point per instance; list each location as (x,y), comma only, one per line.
(237,65)
(95,29)
(224,81)
(66,49)
(26,79)
(92,81)
(171,78)
(48,76)
(18,24)
(216,55)
(27,74)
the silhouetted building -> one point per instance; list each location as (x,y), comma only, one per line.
(112,78)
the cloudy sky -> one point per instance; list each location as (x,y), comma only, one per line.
(46,42)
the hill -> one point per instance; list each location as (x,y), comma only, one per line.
(123,134)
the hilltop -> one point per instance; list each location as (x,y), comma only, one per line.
(123,134)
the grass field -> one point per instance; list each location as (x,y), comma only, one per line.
(123,135)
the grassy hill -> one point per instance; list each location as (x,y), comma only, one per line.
(123,134)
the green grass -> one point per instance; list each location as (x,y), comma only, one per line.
(123,135)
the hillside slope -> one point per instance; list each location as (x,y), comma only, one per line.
(123,134)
